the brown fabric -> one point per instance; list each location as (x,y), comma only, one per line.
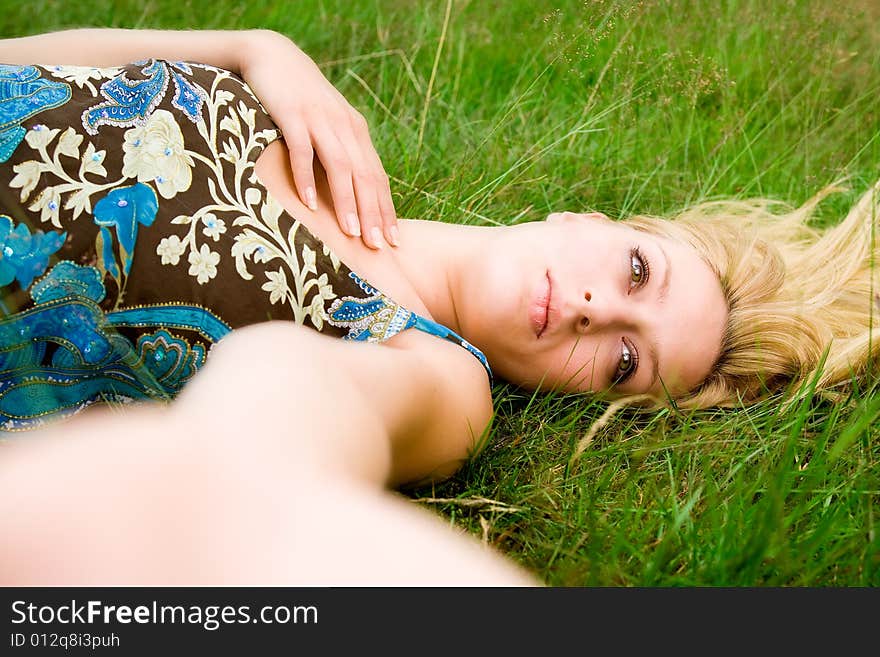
(235,299)
(128,207)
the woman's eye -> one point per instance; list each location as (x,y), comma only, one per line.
(626,365)
(639,270)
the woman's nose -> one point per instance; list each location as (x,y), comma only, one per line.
(597,311)
(584,322)
(586,312)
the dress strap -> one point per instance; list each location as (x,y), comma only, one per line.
(432,327)
(378,317)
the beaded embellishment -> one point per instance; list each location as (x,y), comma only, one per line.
(378,317)
(130,102)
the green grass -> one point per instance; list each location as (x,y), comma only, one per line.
(622,107)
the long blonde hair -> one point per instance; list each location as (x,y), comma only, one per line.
(804,302)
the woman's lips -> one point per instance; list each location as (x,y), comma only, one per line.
(539,311)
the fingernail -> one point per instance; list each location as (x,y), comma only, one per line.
(394,234)
(311,198)
(354,226)
(376,237)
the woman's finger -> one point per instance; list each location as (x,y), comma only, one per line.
(337,163)
(375,181)
(364,180)
(368,208)
(302,157)
(389,214)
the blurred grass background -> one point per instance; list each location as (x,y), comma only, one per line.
(499,112)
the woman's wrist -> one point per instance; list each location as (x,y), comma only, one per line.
(256,46)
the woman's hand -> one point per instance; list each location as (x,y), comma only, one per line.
(313,116)
(316,119)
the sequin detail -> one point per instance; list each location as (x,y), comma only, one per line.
(378,317)
(130,102)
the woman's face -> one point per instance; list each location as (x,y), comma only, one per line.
(582,303)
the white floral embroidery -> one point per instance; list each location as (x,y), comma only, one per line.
(27,174)
(69,143)
(249,115)
(308,260)
(324,287)
(214,227)
(39,136)
(252,196)
(203,264)
(334,259)
(81,76)
(277,286)
(78,191)
(170,249)
(93,162)
(79,202)
(230,123)
(317,312)
(155,152)
(48,203)
(263,241)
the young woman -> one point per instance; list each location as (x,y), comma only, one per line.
(153,208)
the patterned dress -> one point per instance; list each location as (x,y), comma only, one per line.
(134,236)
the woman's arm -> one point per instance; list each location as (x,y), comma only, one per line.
(263,472)
(390,415)
(313,116)
(116,47)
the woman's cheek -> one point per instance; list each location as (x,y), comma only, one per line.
(497,296)
(576,367)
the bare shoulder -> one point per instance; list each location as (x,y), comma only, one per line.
(450,400)
(430,397)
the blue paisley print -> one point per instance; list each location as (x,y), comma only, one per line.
(171,360)
(65,352)
(23,93)
(68,279)
(130,102)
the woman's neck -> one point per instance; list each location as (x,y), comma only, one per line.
(435,257)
